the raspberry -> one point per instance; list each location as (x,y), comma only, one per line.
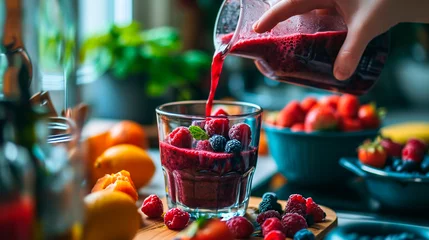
(242,133)
(271,224)
(275,235)
(152,206)
(220,112)
(418,143)
(199,123)
(233,146)
(268,214)
(292,223)
(314,210)
(217,126)
(176,219)
(269,204)
(218,143)
(240,227)
(180,137)
(296,204)
(304,234)
(412,152)
(204,145)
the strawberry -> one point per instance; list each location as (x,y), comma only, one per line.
(298,127)
(348,106)
(370,116)
(372,154)
(350,124)
(412,152)
(392,148)
(331,101)
(292,113)
(418,143)
(308,103)
(206,229)
(321,118)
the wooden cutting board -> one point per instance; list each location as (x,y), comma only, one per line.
(156,230)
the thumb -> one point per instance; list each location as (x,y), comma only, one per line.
(350,53)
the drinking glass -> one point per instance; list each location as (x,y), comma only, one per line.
(205,182)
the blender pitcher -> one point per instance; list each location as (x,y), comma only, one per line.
(301,50)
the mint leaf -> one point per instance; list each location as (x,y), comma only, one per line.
(198,133)
(192,229)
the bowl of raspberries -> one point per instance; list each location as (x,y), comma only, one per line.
(394,171)
(306,139)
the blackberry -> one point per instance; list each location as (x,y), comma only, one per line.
(309,219)
(270,195)
(267,205)
(218,143)
(233,146)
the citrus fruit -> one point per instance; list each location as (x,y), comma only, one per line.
(120,181)
(110,215)
(126,157)
(127,132)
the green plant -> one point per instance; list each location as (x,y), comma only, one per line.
(154,53)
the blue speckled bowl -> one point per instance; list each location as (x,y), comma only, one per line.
(373,229)
(393,190)
(312,158)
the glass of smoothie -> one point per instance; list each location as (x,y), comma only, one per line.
(209,162)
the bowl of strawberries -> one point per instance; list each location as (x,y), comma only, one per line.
(307,139)
(396,175)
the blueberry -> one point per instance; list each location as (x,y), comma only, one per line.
(408,166)
(396,162)
(270,195)
(233,146)
(304,234)
(218,143)
(388,169)
(425,164)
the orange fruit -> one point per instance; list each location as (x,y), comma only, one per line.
(127,132)
(93,147)
(263,145)
(110,215)
(126,157)
(120,181)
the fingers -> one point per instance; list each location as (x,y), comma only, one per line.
(350,53)
(286,9)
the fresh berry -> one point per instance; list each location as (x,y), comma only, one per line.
(396,162)
(240,227)
(242,133)
(180,137)
(418,143)
(298,127)
(392,148)
(176,219)
(296,204)
(372,154)
(268,204)
(314,210)
(292,223)
(233,146)
(304,234)
(206,229)
(425,164)
(292,113)
(218,143)
(199,123)
(412,152)
(220,112)
(348,106)
(321,118)
(152,206)
(408,166)
(268,214)
(275,235)
(350,124)
(369,116)
(217,126)
(204,145)
(308,103)
(270,195)
(330,101)
(271,224)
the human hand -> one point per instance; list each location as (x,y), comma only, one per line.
(365,19)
